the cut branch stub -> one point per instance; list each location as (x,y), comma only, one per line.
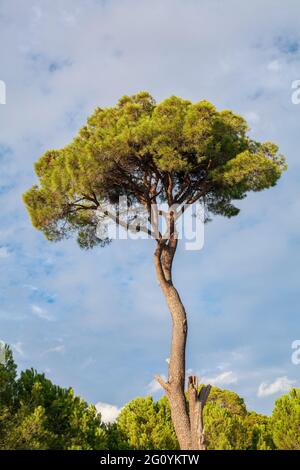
(197,401)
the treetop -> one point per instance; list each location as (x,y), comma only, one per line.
(175,151)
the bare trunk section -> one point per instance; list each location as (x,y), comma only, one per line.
(197,402)
(187,420)
(176,376)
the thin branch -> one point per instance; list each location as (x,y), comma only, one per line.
(162,383)
(125,225)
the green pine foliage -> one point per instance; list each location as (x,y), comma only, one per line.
(286,421)
(35,414)
(144,424)
(191,151)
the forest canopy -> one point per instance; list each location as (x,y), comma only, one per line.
(36,414)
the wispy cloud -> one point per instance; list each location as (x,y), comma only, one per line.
(225,378)
(18,348)
(4,252)
(56,349)
(41,312)
(252,117)
(30,287)
(274,66)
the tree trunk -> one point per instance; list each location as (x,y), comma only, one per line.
(187,419)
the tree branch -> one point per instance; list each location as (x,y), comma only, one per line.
(125,225)
(162,383)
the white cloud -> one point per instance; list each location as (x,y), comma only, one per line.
(41,312)
(30,287)
(108,412)
(274,66)
(56,349)
(225,378)
(252,117)
(4,253)
(281,384)
(223,366)
(18,348)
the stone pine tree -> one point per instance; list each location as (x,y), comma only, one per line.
(285,421)
(176,153)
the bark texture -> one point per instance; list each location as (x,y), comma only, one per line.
(187,418)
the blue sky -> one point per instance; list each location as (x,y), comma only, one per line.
(96,321)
